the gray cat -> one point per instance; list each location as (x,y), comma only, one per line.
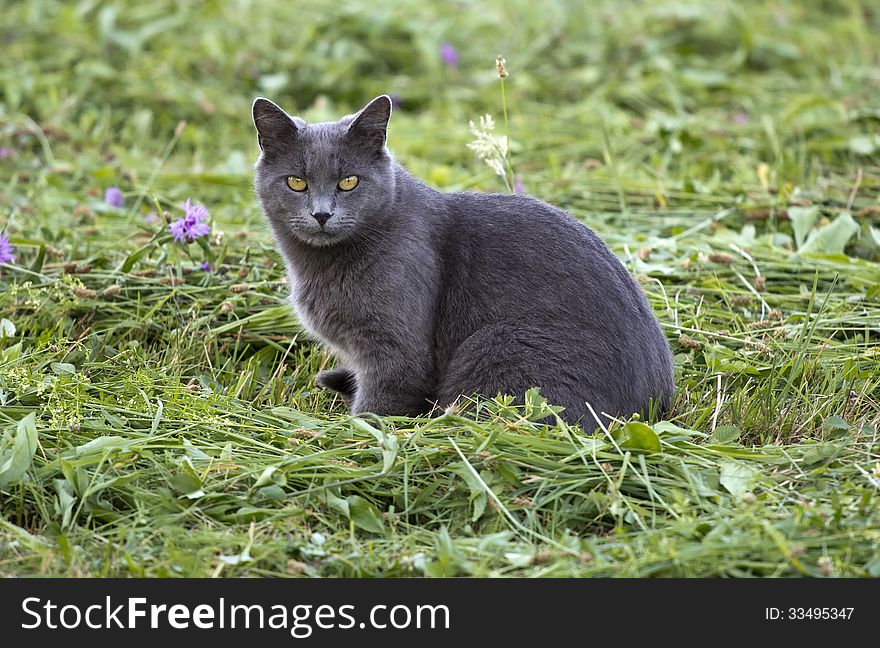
(426,296)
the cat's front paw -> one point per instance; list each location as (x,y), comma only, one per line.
(340,380)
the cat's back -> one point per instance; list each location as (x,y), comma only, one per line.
(512,238)
(502,215)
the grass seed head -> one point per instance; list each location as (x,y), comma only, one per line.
(688,342)
(111,291)
(84,293)
(721,257)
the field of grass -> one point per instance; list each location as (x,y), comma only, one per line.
(159,418)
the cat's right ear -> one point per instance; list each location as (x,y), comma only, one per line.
(274,126)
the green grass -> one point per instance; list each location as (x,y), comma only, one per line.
(729,152)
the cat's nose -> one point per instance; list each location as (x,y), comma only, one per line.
(321,217)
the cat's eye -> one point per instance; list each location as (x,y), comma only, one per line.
(297,184)
(349,183)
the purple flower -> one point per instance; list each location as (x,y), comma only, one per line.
(740,117)
(113,197)
(5,153)
(6,250)
(518,186)
(192,225)
(206,267)
(449,54)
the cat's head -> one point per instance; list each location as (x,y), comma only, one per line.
(323,183)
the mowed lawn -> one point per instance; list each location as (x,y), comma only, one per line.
(158,415)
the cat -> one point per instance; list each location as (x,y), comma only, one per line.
(426,296)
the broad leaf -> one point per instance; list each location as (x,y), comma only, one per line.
(16,455)
(832,238)
(802,221)
(365,515)
(736,477)
(641,437)
(725,434)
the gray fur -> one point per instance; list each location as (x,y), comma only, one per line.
(426,296)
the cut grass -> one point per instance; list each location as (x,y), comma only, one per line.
(178,430)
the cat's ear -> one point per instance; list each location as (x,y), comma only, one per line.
(370,125)
(274,126)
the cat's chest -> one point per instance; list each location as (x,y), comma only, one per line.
(330,311)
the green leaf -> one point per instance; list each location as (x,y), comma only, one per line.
(820,452)
(75,476)
(725,434)
(736,477)
(640,436)
(671,431)
(66,500)
(135,256)
(833,237)
(479,497)
(387,442)
(270,475)
(835,426)
(157,418)
(17,455)
(100,446)
(11,354)
(448,559)
(187,482)
(115,421)
(271,493)
(195,454)
(63,368)
(389,447)
(337,503)
(37,265)
(802,221)
(537,407)
(365,515)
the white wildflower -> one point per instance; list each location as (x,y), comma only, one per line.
(491,149)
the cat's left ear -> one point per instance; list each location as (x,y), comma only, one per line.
(370,126)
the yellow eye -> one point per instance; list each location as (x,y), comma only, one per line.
(297,184)
(349,183)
